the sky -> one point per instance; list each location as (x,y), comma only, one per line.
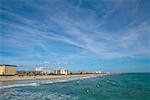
(90,35)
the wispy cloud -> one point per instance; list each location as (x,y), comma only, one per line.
(65,30)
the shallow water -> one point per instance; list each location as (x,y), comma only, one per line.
(107,87)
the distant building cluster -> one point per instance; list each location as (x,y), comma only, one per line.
(56,71)
(6,70)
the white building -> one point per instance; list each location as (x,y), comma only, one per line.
(57,71)
(98,72)
(42,69)
(39,69)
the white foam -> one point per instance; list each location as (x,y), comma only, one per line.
(47,82)
(67,79)
(19,85)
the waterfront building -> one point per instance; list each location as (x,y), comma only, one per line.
(7,70)
(98,72)
(61,71)
(43,70)
(39,69)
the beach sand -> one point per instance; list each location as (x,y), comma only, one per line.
(15,78)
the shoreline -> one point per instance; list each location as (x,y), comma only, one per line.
(22,78)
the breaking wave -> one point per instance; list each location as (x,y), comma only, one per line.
(37,83)
(19,85)
(67,79)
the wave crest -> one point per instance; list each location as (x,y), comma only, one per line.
(19,85)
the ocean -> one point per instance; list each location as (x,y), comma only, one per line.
(127,86)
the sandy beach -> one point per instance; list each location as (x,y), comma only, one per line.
(15,78)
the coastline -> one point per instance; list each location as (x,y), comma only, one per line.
(21,78)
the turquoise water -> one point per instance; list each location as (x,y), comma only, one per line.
(107,87)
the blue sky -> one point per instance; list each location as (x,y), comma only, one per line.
(107,35)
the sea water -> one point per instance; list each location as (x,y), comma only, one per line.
(128,86)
